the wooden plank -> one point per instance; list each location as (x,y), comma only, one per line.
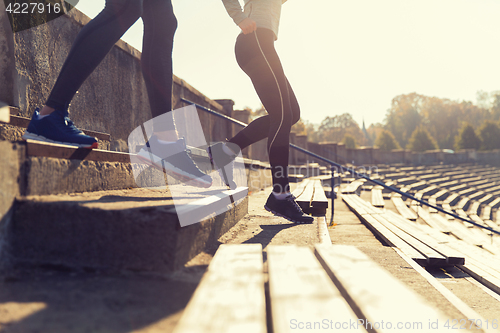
(377,198)
(450,199)
(486,213)
(319,198)
(474,208)
(450,296)
(319,202)
(478,256)
(373,293)
(304,200)
(430,218)
(393,240)
(300,188)
(459,230)
(406,212)
(462,203)
(353,187)
(301,292)
(480,275)
(432,201)
(349,199)
(452,256)
(439,195)
(481,265)
(369,208)
(231,296)
(312,199)
(447,207)
(494,203)
(433,258)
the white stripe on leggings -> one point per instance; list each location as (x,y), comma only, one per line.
(279,90)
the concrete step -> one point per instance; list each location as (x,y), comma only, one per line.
(134,230)
(47,168)
(13,130)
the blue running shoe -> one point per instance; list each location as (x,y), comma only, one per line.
(173,159)
(287,208)
(57,128)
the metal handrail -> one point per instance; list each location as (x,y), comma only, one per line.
(340,167)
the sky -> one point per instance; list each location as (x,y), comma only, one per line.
(343,56)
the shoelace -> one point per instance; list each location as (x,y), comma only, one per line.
(291,198)
(70,127)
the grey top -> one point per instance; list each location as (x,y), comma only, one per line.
(265,13)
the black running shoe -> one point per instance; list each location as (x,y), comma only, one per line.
(223,162)
(287,208)
(173,159)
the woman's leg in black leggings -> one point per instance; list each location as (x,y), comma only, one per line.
(258,58)
(156,60)
(259,128)
(92,44)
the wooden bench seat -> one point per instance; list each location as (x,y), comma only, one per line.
(230,297)
(390,227)
(334,287)
(353,186)
(402,208)
(310,196)
(377,198)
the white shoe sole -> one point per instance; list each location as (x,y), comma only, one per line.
(32,136)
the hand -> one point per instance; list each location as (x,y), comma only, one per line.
(248,26)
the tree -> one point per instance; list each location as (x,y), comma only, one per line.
(421,140)
(299,128)
(333,129)
(490,136)
(440,116)
(349,141)
(467,138)
(386,141)
(312,132)
(495,107)
(374,131)
(257,113)
(404,116)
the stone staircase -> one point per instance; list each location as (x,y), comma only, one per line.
(63,206)
(82,208)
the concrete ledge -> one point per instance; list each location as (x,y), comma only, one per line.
(9,189)
(54,169)
(111,231)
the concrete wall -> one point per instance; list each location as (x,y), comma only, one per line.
(10,165)
(112,100)
(6,58)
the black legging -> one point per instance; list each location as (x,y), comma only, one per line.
(97,38)
(257,57)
